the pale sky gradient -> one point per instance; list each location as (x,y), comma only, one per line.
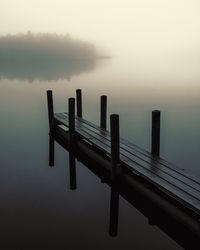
(130,26)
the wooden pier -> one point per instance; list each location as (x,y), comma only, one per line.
(171,188)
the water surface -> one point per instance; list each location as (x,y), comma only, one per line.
(37,207)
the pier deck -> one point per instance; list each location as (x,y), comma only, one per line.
(164,176)
(166,194)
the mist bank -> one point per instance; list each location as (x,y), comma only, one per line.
(44,57)
(36,46)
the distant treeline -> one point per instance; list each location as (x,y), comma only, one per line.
(43,46)
(44,57)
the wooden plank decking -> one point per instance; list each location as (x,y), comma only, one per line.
(168,178)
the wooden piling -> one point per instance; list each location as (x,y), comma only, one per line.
(50,109)
(79,102)
(71,111)
(155,133)
(72,160)
(51,128)
(115,157)
(103,112)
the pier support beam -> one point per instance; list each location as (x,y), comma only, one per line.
(103,112)
(79,103)
(51,128)
(155,133)
(72,159)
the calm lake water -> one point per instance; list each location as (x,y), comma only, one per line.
(37,206)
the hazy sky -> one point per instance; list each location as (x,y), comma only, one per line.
(120,25)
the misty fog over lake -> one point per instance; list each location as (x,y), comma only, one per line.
(144,55)
(46,57)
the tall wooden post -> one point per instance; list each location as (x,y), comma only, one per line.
(155,133)
(103,111)
(115,157)
(50,109)
(79,102)
(51,128)
(72,160)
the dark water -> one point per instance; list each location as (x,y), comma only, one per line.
(37,207)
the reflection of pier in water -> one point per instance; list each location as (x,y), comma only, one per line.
(171,215)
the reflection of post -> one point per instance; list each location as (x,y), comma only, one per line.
(72,160)
(51,127)
(51,150)
(114,211)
